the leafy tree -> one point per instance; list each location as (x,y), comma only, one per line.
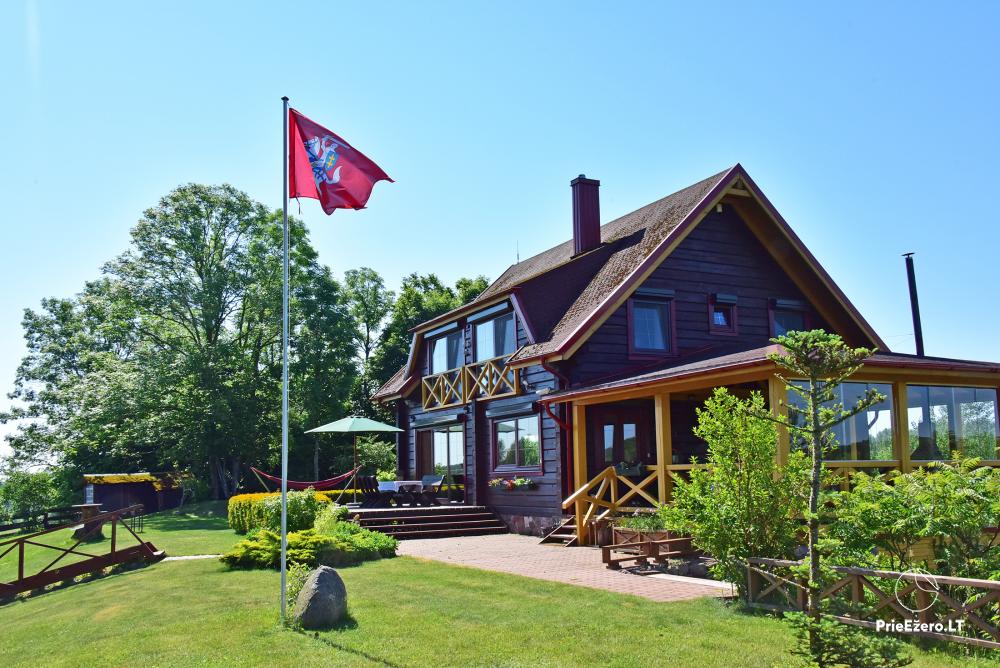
(742,504)
(377,456)
(369,303)
(173,358)
(420,299)
(26,493)
(824,361)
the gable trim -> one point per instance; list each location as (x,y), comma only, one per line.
(734,181)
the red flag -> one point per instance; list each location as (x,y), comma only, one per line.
(323,166)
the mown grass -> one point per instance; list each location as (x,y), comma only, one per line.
(403,612)
(198,529)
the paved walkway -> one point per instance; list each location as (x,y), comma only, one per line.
(523,555)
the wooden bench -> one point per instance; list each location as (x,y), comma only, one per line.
(643,551)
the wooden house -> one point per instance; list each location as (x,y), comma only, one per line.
(594,354)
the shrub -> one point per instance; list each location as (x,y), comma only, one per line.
(742,505)
(263,550)
(329,516)
(297,575)
(263,510)
(837,644)
(639,521)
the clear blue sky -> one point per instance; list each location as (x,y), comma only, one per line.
(858,122)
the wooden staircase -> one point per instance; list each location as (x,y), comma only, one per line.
(564,534)
(430,522)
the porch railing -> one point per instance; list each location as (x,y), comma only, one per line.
(966,609)
(489,379)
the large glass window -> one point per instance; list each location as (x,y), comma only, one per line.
(446,352)
(650,325)
(866,436)
(449,452)
(946,422)
(517,443)
(496,337)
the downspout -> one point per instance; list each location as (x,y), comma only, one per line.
(565,426)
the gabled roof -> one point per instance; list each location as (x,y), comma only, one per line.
(566,297)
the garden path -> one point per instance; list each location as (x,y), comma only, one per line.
(582,566)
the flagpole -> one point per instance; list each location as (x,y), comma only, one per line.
(284,360)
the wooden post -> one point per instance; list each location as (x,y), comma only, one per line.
(776,398)
(901,426)
(580,464)
(664,446)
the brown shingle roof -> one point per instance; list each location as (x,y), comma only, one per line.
(566,290)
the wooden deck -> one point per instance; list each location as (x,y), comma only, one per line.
(414,522)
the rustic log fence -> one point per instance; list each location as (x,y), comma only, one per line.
(962,610)
(15,548)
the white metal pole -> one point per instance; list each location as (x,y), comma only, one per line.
(284,362)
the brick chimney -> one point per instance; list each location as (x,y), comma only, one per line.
(586,214)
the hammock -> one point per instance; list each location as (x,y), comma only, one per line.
(318,485)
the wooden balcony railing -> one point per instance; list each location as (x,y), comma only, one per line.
(489,379)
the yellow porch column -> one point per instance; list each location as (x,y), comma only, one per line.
(664,446)
(580,465)
(776,398)
(901,426)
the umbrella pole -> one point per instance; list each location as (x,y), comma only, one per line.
(355,486)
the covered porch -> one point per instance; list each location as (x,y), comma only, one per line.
(632,438)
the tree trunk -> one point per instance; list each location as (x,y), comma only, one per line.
(812,601)
(213,477)
(315,458)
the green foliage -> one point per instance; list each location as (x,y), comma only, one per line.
(880,519)
(263,550)
(639,521)
(330,515)
(354,543)
(25,493)
(297,575)
(172,359)
(263,511)
(835,644)
(378,457)
(742,505)
(420,299)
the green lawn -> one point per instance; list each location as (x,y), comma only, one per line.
(199,529)
(404,612)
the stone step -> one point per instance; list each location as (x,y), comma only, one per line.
(448,533)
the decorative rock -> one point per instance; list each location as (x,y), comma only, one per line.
(322,601)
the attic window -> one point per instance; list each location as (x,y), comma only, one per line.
(787,315)
(650,324)
(722,314)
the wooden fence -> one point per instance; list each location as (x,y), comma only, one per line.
(962,610)
(44,519)
(94,560)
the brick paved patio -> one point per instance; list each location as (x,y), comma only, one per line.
(523,555)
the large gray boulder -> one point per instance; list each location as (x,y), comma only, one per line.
(322,601)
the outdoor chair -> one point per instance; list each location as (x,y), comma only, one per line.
(370,494)
(430,489)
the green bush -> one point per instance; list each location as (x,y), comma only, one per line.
(297,575)
(340,543)
(837,644)
(263,550)
(329,516)
(743,504)
(263,511)
(641,521)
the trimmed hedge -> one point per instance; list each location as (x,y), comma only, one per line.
(348,545)
(263,510)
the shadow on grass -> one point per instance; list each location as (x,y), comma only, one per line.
(80,580)
(346,624)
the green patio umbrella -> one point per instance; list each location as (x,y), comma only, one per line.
(354,425)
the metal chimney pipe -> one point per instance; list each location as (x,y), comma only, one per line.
(918,331)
